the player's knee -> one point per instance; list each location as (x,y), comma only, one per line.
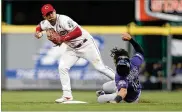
(101,69)
(109,87)
(63,70)
(100,99)
(104,69)
(104,87)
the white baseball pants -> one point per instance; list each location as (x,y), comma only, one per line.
(89,52)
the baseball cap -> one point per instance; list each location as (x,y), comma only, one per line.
(46,9)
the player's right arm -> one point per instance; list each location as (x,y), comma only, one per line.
(42,26)
(121,95)
(38,32)
(122,86)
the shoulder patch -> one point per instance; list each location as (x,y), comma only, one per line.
(43,21)
(121,82)
(70,24)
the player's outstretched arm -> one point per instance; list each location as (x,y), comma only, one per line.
(38,32)
(137,47)
(121,95)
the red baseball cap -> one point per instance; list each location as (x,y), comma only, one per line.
(46,9)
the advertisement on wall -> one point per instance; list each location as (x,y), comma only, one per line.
(45,74)
(150,10)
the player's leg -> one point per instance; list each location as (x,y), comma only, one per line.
(106,98)
(138,97)
(92,54)
(109,87)
(67,60)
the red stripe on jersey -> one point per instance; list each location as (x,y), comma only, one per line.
(38,28)
(72,35)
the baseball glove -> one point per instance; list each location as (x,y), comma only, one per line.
(53,36)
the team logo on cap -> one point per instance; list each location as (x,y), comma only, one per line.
(46,7)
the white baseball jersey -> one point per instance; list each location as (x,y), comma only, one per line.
(64,25)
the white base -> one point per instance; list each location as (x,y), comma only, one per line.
(74,102)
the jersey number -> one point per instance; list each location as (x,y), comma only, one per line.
(70,24)
(136,84)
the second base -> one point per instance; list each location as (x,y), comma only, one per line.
(74,102)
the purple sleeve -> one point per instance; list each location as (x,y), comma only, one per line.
(122,84)
(137,59)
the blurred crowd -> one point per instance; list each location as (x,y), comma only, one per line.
(152,75)
(177,69)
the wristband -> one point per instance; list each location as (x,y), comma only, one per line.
(118,98)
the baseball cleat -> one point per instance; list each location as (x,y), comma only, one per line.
(63,99)
(100,92)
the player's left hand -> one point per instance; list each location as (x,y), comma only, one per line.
(126,36)
(53,36)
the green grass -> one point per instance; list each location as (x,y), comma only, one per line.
(44,101)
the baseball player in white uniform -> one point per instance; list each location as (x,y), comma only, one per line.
(80,45)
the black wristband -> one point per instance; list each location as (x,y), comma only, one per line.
(118,98)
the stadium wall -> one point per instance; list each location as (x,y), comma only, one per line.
(22,53)
(32,64)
